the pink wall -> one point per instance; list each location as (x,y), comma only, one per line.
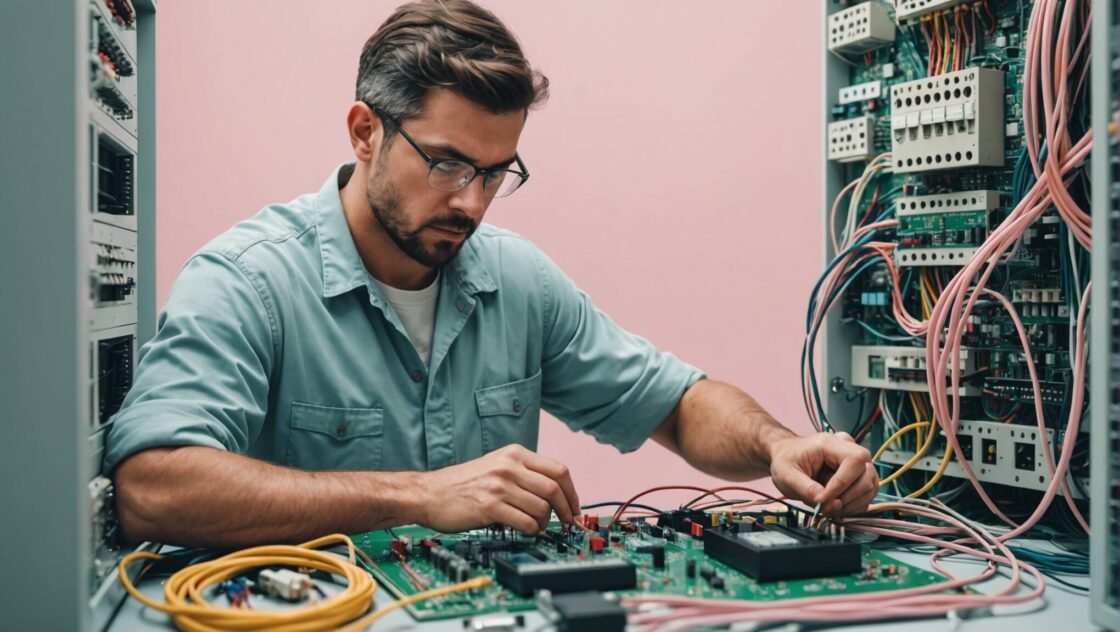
(675,170)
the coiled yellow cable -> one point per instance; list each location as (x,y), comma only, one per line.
(184,592)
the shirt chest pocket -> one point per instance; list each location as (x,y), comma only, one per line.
(510,413)
(328,438)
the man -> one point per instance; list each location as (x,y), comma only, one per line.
(374,355)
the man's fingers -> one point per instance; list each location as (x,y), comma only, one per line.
(530,504)
(851,470)
(858,505)
(865,487)
(558,472)
(513,517)
(544,487)
(800,485)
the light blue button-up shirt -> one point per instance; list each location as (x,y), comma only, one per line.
(276,343)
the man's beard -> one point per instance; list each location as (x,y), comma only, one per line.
(386,205)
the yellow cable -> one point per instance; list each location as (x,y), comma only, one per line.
(949,47)
(948,456)
(918,416)
(896,435)
(184,592)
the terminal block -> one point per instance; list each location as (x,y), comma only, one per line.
(912,9)
(852,140)
(943,229)
(948,122)
(904,368)
(861,28)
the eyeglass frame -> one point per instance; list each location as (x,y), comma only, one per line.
(432,162)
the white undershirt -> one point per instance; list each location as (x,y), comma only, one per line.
(417,311)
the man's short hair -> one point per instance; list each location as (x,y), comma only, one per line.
(453,44)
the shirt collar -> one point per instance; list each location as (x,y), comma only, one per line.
(343,269)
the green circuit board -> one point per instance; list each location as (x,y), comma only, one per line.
(880,573)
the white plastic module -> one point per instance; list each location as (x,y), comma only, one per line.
(852,139)
(902,368)
(911,9)
(864,27)
(941,203)
(997,452)
(948,121)
(861,92)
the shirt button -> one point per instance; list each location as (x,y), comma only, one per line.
(341,431)
(417,376)
(517,405)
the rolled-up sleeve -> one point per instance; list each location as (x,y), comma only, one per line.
(203,379)
(597,377)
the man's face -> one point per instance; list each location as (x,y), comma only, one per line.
(429,225)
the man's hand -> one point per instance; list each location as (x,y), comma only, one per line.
(511,486)
(830,469)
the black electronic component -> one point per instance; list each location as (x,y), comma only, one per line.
(658,555)
(690,569)
(1024,456)
(587,612)
(681,519)
(115,178)
(114,375)
(777,553)
(524,574)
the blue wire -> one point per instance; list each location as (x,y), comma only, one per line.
(878,334)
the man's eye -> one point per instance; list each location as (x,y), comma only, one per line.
(448,167)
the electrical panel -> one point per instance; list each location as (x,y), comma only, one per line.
(115,120)
(851,140)
(931,231)
(860,28)
(1105,396)
(948,122)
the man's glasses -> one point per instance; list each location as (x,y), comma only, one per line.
(449,174)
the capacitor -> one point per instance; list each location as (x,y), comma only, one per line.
(658,554)
(690,569)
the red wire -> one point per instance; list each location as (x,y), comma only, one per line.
(870,422)
(988,10)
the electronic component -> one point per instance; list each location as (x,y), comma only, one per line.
(583,612)
(524,574)
(911,9)
(851,140)
(904,368)
(114,373)
(114,178)
(285,584)
(776,552)
(861,92)
(943,229)
(861,28)
(948,121)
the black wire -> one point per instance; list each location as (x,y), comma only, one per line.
(614,503)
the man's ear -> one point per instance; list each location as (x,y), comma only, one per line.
(366,131)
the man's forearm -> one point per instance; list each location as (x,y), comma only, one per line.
(722,431)
(206,497)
